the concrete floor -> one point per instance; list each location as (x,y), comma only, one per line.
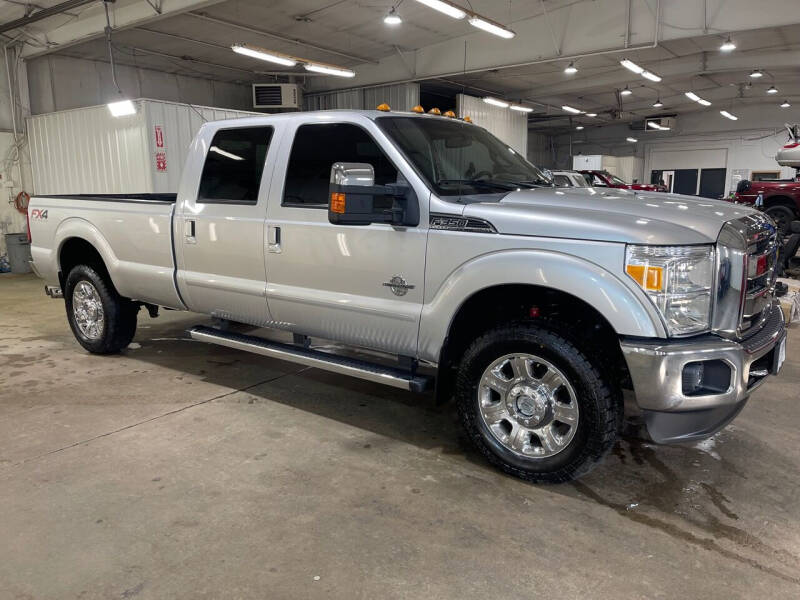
(181,470)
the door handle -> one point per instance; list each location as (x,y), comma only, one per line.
(273,239)
(189,231)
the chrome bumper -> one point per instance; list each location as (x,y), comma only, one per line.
(657,369)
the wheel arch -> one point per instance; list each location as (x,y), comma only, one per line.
(80,242)
(780,200)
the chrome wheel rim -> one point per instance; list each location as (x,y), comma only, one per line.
(528,405)
(87,308)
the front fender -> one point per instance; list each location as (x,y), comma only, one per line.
(623,305)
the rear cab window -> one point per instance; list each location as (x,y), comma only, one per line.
(234,165)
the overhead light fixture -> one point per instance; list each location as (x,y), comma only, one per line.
(496,102)
(328,70)
(728,45)
(261,54)
(392,18)
(491,27)
(569,109)
(651,76)
(695,98)
(772,90)
(520,108)
(785,104)
(756,73)
(658,103)
(631,66)
(703,102)
(653,125)
(728,115)
(626,92)
(633,140)
(571,69)
(451,10)
(593,115)
(579,127)
(122,108)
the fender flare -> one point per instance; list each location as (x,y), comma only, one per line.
(77,227)
(627,309)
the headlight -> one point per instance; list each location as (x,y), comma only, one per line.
(678,280)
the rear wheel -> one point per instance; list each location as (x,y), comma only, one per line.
(534,404)
(102,321)
(782,215)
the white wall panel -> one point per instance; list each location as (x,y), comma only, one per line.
(87,151)
(508,125)
(401,97)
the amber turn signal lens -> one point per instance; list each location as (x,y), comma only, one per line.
(384,107)
(418,109)
(337,202)
(650,278)
(434,111)
(450,114)
(468,119)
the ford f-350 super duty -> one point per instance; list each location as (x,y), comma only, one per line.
(449,258)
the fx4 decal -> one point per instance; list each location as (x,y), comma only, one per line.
(38,213)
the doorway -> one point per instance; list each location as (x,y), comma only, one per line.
(712,183)
(685,182)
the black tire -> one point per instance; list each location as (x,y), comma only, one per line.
(119,314)
(599,404)
(782,215)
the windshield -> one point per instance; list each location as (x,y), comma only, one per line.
(461,159)
(614,178)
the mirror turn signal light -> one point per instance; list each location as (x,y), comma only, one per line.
(450,114)
(384,107)
(468,119)
(418,109)
(650,278)
(337,202)
(434,111)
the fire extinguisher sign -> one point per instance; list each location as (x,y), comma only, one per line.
(161,155)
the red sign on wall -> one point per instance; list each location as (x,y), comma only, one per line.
(161,161)
(159,137)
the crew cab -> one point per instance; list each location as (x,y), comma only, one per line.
(441,257)
(599,178)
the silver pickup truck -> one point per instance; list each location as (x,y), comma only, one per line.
(442,255)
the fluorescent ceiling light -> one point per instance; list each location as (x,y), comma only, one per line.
(224,153)
(525,109)
(703,102)
(392,18)
(692,96)
(122,108)
(756,73)
(569,109)
(653,124)
(571,69)
(772,90)
(785,104)
(261,54)
(728,45)
(329,70)
(651,76)
(451,10)
(579,127)
(658,103)
(728,115)
(626,92)
(490,27)
(632,139)
(593,115)
(631,66)
(495,102)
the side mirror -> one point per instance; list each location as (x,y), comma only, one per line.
(354,199)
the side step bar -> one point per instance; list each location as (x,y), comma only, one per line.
(314,358)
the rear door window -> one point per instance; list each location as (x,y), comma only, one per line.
(234,165)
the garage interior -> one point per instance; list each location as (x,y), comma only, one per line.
(182,470)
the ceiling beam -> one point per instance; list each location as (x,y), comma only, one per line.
(43,14)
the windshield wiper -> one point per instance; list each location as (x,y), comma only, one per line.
(506,186)
(537,183)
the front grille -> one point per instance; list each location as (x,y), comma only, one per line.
(762,257)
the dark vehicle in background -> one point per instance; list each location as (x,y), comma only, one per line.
(781,198)
(606,179)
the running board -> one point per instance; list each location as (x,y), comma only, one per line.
(313,358)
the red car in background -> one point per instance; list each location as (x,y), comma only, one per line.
(606,179)
(780,198)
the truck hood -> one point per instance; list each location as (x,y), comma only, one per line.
(611,215)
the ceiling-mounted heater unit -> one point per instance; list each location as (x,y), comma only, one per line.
(276,95)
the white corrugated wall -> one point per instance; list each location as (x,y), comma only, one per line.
(401,97)
(87,151)
(508,125)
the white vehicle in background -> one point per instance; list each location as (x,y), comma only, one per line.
(568,178)
(450,258)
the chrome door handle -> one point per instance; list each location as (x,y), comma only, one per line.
(273,239)
(189,231)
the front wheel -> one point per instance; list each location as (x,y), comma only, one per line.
(102,321)
(534,404)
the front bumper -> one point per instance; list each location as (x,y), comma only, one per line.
(657,371)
